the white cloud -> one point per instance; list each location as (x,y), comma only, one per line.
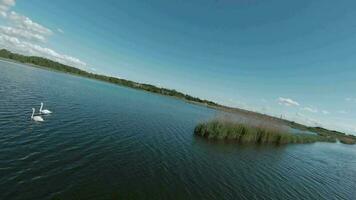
(26,23)
(5,5)
(350,99)
(22,35)
(8,2)
(60,30)
(342,112)
(325,112)
(27,48)
(21,26)
(287,102)
(309,109)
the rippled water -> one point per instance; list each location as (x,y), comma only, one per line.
(110,142)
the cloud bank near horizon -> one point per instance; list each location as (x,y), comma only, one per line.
(24,36)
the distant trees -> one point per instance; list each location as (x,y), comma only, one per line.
(50,64)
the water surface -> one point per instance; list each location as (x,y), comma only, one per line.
(108,142)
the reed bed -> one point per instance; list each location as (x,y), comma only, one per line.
(246,133)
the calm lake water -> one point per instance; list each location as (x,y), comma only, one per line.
(109,142)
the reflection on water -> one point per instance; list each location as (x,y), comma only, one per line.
(105,142)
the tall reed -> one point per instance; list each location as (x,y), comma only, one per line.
(246,133)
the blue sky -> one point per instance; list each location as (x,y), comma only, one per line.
(290,58)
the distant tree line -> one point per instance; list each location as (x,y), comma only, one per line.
(47,63)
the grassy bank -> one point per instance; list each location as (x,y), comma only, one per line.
(347,140)
(342,137)
(244,133)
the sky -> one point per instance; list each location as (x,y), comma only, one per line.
(294,59)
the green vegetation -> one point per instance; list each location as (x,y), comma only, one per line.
(46,63)
(242,133)
(347,140)
(342,137)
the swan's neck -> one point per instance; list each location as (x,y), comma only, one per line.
(41,107)
(33,112)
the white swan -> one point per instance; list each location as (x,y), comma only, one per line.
(36,118)
(45,111)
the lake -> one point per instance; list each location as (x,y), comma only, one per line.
(109,142)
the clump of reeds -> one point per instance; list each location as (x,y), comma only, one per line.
(346,140)
(246,133)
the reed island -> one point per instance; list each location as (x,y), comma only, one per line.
(247,133)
